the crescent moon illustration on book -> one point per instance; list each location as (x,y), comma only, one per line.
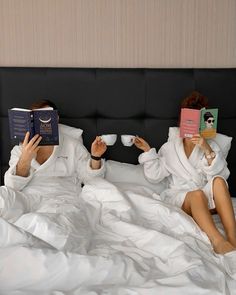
(44,121)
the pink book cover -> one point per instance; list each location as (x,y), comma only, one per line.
(189,122)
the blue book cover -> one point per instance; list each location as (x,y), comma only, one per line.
(40,121)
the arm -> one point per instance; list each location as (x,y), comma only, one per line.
(29,151)
(153,163)
(98,148)
(20,173)
(87,167)
(213,162)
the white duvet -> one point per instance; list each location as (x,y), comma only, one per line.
(112,240)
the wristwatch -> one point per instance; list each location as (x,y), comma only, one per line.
(96,158)
(210,155)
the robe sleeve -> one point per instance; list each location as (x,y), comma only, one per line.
(12,180)
(153,165)
(83,165)
(218,165)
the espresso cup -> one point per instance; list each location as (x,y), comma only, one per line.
(127,139)
(109,139)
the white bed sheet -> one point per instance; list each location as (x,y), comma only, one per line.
(119,239)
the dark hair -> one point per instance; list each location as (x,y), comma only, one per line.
(207,115)
(195,100)
(43,103)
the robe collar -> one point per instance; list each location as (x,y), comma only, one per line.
(47,163)
(188,163)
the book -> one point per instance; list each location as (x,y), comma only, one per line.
(203,122)
(42,121)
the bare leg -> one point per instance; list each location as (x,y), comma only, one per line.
(224,208)
(196,205)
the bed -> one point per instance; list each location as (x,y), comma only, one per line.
(120,239)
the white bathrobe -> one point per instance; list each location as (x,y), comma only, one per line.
(50,187)
(184,174)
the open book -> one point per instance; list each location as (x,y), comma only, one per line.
(202,121)
(38,121)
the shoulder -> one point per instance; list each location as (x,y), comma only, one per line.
(69,143)
(166,146)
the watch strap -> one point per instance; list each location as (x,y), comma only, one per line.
(96,158)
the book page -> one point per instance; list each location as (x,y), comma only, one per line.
(44,109)
(21,109)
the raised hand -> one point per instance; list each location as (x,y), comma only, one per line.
(197,139)
(29,151)
(141,144)
(98,147)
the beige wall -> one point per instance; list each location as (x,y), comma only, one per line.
(118,33)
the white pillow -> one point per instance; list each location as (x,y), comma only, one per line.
(223,141)
(73,132)
(117,172)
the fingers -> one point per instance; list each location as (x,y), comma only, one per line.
(194,140)
(98,140)
(31,146)
(26,139)
(196,135)
(33,140)
(197,139)
(138,140)
(36,143)
(98,146)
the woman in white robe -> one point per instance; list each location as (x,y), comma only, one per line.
(197,173)
(48,178)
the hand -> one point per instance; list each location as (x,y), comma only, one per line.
(197,139)
(29,151)
(98,147)
(30,148)
(141,144)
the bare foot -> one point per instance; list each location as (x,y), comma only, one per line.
(223,247)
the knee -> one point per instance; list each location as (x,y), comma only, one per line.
(197,196)
(193,198)
(219,182)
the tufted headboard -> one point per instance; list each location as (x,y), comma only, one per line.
(122,101)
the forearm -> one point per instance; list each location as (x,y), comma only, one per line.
(95,164)
(11,178)
(213,162)
(154,169)
(22,168)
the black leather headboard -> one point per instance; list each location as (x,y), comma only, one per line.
(122,101)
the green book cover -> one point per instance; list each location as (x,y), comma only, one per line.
(208,123)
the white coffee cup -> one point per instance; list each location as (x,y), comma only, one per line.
(109,139)
(127,140)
